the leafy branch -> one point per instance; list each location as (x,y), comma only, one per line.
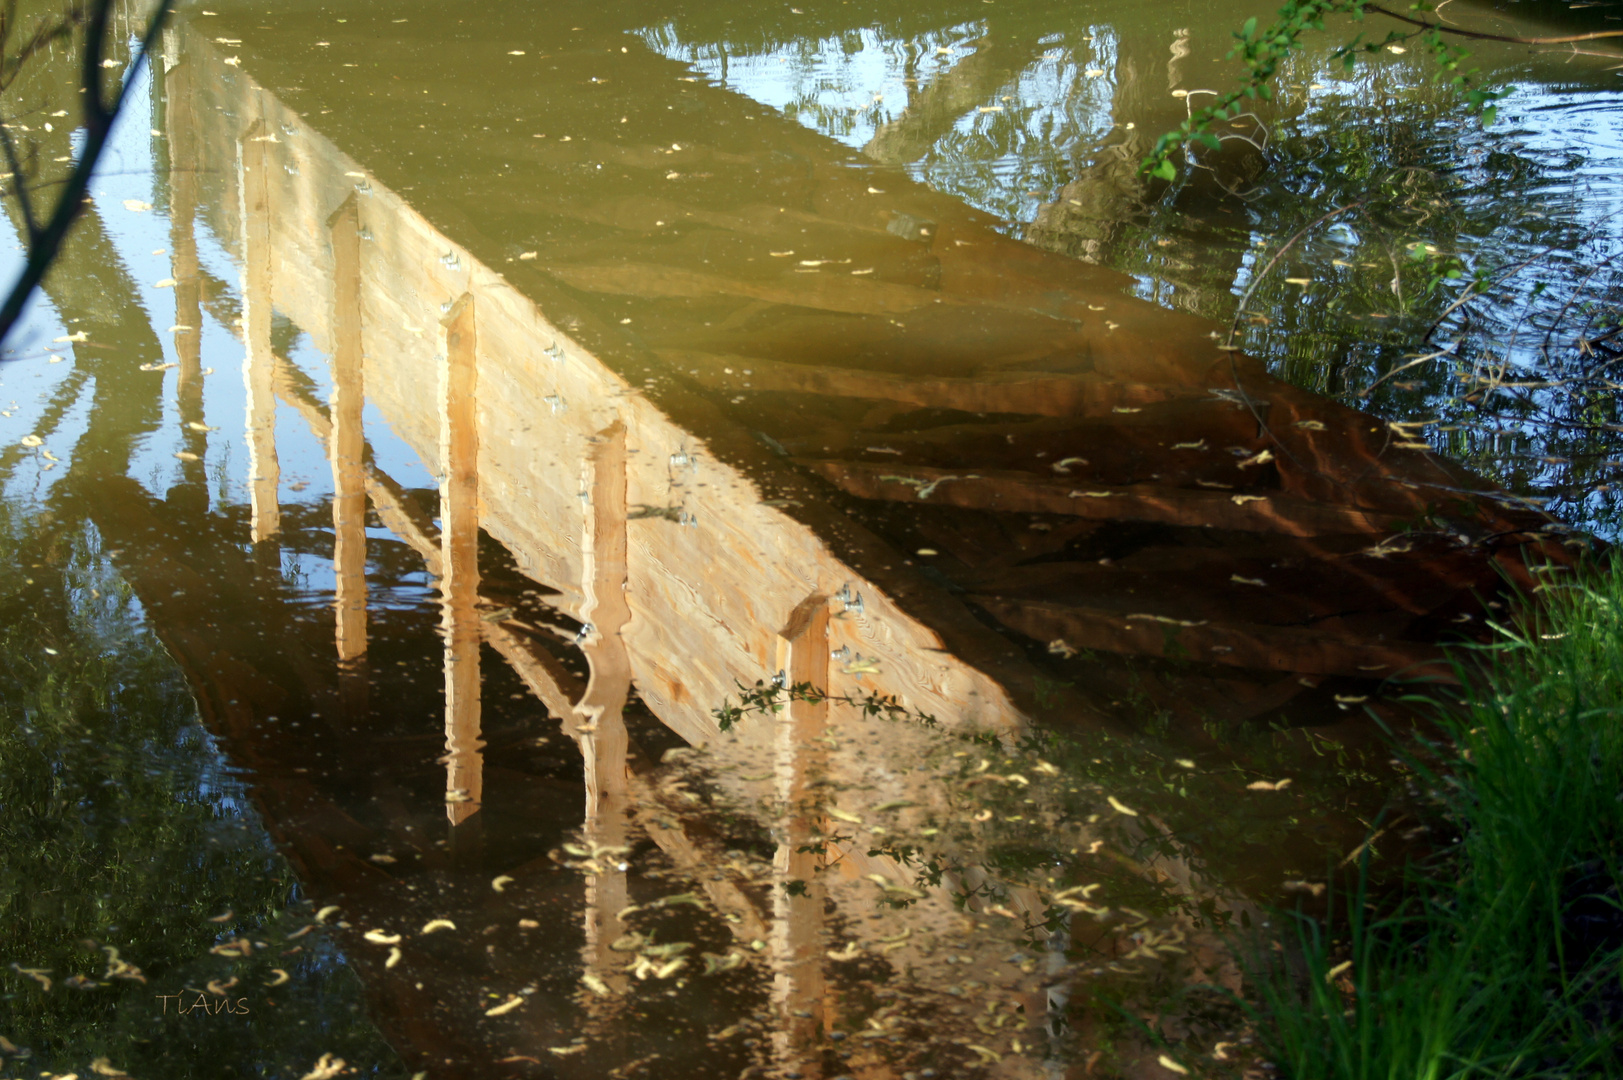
(773,696)
(1264,49)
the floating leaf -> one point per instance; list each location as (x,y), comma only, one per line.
(1261,458)
(39,975)
(513,1001)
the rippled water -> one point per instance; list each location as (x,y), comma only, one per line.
(687,543)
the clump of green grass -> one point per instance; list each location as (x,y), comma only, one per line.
(1506,958)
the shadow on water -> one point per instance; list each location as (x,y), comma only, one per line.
(680,589)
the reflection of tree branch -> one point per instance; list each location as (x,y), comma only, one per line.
(1480,35)
(30,227)
(933,112)
(46,241)
(45,35)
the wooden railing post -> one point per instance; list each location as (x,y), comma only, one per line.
(599,715)
(264,473)
(798,985)
(459,561)
(184,155)
(346,451)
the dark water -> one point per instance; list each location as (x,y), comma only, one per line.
(458,450)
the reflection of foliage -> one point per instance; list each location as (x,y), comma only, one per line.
(124,839)
(1042,128)
(1466,301)
(1263,49)
(1133,864)
(773,697)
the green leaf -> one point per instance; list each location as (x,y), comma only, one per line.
(1249,30)
(1165,171)
(1488,114)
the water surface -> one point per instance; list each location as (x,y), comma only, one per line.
(693,543)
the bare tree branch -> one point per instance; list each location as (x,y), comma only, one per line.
(73,16)
(99,113)
(1480,35)
(23,198)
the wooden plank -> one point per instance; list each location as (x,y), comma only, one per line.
(1273,648)
(828,292)
(1024,493)
(1073,396)
(459,562)
(264,471)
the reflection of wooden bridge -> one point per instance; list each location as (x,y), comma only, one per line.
(742,482)
(891,374)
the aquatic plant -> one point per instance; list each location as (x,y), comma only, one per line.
(1503,957)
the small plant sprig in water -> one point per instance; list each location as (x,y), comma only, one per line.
(772,696)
